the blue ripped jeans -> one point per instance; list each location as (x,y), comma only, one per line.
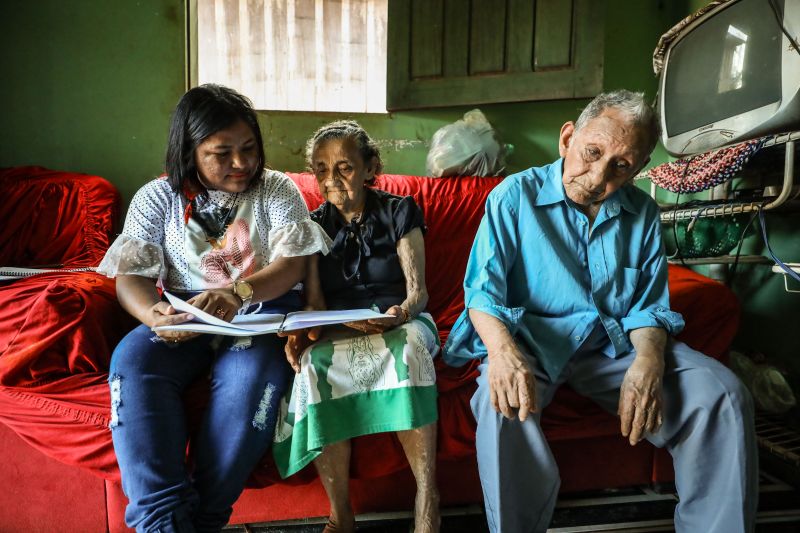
(149,428)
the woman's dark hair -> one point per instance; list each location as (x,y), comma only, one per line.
(346,129)
(200,113)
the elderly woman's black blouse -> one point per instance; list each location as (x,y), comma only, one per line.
(363,269)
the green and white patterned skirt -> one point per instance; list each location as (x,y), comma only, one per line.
(357,385)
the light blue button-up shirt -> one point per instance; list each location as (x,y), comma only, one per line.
(538,267)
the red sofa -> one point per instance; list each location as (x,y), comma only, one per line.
(57,332)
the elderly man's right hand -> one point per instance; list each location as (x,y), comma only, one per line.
(512,384)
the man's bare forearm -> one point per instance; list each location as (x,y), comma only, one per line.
(649,342)
(493,333)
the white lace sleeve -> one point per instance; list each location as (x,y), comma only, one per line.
(298,238)
(129,255)
(139,249)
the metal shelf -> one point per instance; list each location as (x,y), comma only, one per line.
(733,208)
(781,138)
(724,260)
(706,211)
(794,266)
(778,270)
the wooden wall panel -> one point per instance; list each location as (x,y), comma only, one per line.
(487,36)
(553,34)
(455,39)
(426,30)
(519,36)
(517,50)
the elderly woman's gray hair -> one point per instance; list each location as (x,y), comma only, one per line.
(630,103)
(346,129)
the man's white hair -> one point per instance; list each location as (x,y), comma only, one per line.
(631,104)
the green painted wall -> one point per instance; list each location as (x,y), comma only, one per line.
(92,84)
(89,86)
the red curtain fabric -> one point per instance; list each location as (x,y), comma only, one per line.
(57,331)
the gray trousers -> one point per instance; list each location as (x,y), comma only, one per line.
(707,428)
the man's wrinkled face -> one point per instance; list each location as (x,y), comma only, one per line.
(602,156)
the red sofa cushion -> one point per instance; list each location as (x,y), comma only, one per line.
(57,331)
(53,217)
(53,354)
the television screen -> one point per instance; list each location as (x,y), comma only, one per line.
(726,66)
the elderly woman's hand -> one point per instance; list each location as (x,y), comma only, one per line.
(379,325)
(296,343)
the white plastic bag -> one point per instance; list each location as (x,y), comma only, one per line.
(769,388)
(467,147)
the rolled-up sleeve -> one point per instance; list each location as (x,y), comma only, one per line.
(493,253)
(485,282)
(650,303)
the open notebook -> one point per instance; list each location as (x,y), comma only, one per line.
(259,324)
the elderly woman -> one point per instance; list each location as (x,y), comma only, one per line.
(382,378)
(232,238)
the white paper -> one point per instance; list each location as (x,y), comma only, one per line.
(259,324)
(308,319)
(199,315)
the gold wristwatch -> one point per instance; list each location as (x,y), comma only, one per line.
(244,291)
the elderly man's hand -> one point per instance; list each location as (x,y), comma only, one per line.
(512,385)
(640,397)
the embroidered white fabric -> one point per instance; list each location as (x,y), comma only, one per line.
(298,238)
(129,255)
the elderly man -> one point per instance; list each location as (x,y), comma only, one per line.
(567,283)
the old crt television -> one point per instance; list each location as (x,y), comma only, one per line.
(731,75)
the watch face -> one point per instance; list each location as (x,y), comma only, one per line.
(244,290)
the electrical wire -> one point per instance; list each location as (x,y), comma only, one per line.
(678,253)
(732,270)
(779,20)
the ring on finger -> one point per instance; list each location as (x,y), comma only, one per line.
(220,312)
